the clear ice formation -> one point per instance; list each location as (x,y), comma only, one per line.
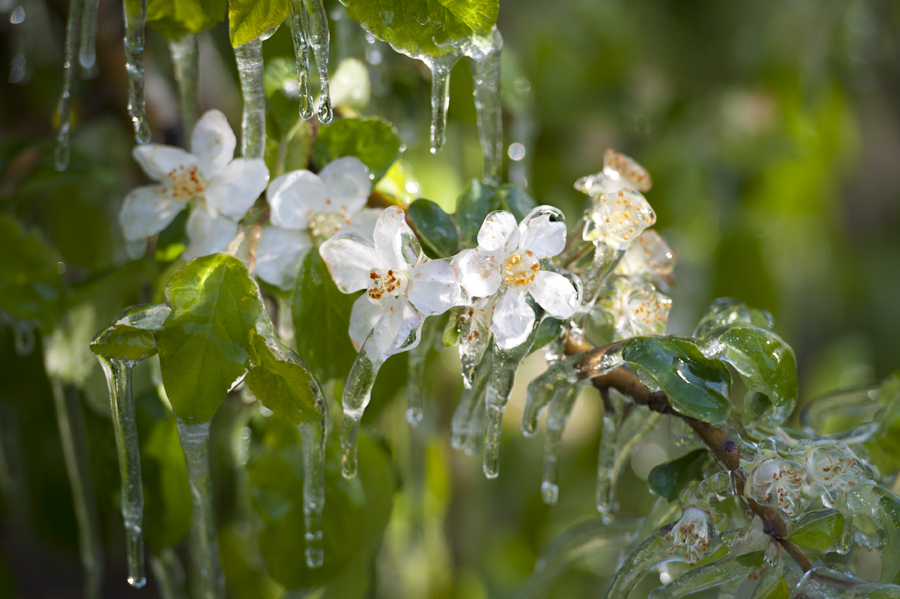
(472,397)
(309,28)
(440,97)
(488,109)
(557,416)
(356,397)
(64,106)
(301,55)
(253,123)
(415,387)
(185,62)
(312,435)
(87,51)
(135,21)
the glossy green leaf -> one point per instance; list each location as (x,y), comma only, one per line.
(249,19)
(549,330)
(436,229)
(429,27)
(203,348)
(884,444)
(322,321)
(669,478)
(372,140)
(31,285)
(820,531)
(282,384)
(516,201)
(125,343)
(772,588)
(174,18)
(472,207)
(727,311)
(695,385)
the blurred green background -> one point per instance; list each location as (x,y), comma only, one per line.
(772,132)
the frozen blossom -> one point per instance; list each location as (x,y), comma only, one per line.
(637,309)
(507,262)
(306,206)
(777,482)
(619,172)
(402,285)
(833,470)
(219,187)
(651,255)
(690,537)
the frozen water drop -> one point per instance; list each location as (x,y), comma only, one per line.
(440,97)
(135,21)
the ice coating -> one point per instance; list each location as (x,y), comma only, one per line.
(135,21)
(619,172)
(560,408)
(625,431)
(486,84)
(253,123)
(440,97)
(301,55)
(472,396)
(64,106)
(312,435)
(618,218)
(87,50)
(185,56)
(317,27)
(357,393)
(650,255)
(637,309)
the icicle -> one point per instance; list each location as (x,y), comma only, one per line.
(313,436)
(440,97)
(317,22)
(415,391)
(185,58)
(253,124)
(121,403)
(474,338)
(461,425)
(19,70)
(472,444)
(486,83)
(560,409)
(135,20)
(204,549)
(70,419)
(357,394)
(301,55)
(64,107)
(168,574)
(87,54)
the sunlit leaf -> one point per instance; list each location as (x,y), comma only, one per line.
(249,19)
(436,229)
(373,140)
(174,18)
(282,384)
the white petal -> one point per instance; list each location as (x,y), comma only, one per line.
(434,287)
(363,223)
(213,143)
(543,232)
(235,189)
(348,183)
(363,317)
(555,294)
(513,319)
(278,255)
(398,329)
(295,198)
(496,230)
(147,211)
(394,240)
(159,161)
(479,273)
(208,231)
(349,260)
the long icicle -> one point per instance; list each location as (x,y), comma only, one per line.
(440,97)
(319,40)
(87,51)
(460,428)
(207,574)
(121,403)
(64,107)
(185,61)
(486,84)
(253,124)
(472,444)
(357,394)
(560,409)
(415,388)
(135,21)
(70,419)
(301,55)
(313,438)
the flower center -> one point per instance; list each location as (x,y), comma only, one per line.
(521,268)
(186,183)
(385,283)
(326,224)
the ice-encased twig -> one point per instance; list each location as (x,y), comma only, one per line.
(440,97)
(64,106)
(856,405)
(87,52)
(558,415)
(206,572)
(317,27)
(299,34)
(312,435)
(253,123)
(168,574)
(121,403)
(825,583)
(135,21)
(463,416)
(185,62)
(357,393)
(486,85)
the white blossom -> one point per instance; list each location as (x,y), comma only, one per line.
(220,188)
(402,285)
(690,537)
(651,255)
(637,309)
(619,172)
(777,482)
(833,470)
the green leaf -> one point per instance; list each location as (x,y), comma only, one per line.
(549,330)
(772,588)
(322,321)
(695,385)
(203,348)
(472,207)
(131,336)
(516,201)
(820,530)
(31,285)
(249,19)
(888,516)
(669,478)
(727,311)
(282,384)
(431,27)
(174,18)
(436,229)
(372,140)
(884,444)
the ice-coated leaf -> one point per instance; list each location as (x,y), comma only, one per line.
(472,207)
(888,513)
(203,348)
(668,478)
(772,588)
(249,19)
(825,583)
(124,342)
(884,444)
(549,330)
(373,140)
(31,285)
(322,321)
(820,530)
(516,201)
(695,385)
(725,311)
(436,228)
(174,18)
(282,385)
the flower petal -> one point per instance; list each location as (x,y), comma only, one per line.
(363,316)
(434,287)
(160,161)
(363,222)
(208,231)
(295,198)
(349,260)
(513,319)
(213,143)
(236,188)
(554,293)
(147,211)
(348,183)
(479,273)
(543,232)
(398,329)
(395,242)
(496,231)
(278,255)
